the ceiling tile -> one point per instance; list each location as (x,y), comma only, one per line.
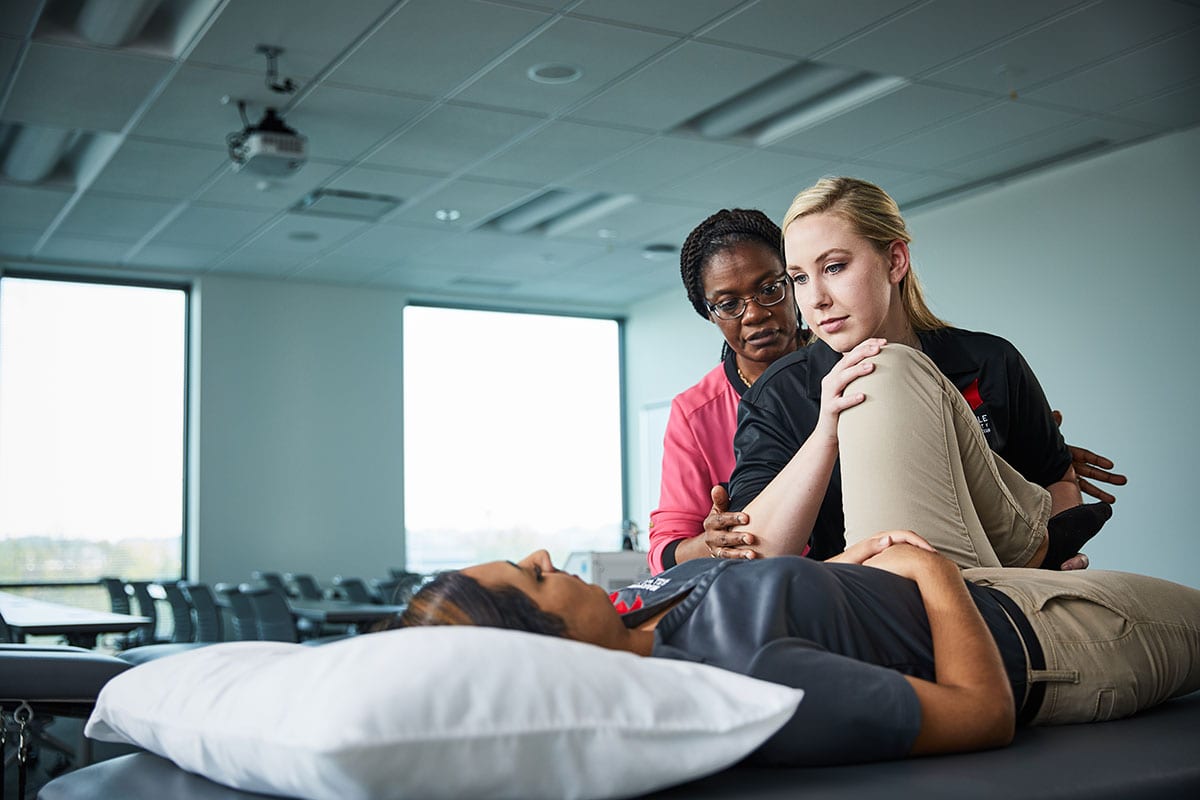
(474,200)
(115,217)
(16,19)
(247,190)
(938,33)
(739,183)
(390,182)
(1044,149)
(16,243)
(156,169)
(75,88)
(885,120)
(30,207)
(413,278)
(342,123)
(1126,78)
(913,191)
(175,257)
(801,27)
(1097,32)
(972,135)
(342,268)
(211,226)
(677,16)
(635,222)
(85,250)
(557,151)
(453,137)
(1171,110)
(293,234)
(190,108)
(311,32)
(259,264)
(660,161)
(8,55)
(409,53)
(667,92)
(601,52)
(393,243)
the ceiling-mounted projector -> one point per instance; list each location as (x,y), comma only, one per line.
(268,148)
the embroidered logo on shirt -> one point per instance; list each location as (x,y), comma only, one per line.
(621,606)
(650,584)
(975,400)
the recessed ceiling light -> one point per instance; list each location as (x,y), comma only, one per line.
(447,214)
(304,236)
(658,252)
(554,73)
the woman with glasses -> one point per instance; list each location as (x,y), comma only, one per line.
(734,277)
(846,251)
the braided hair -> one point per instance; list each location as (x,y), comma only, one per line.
(722,231)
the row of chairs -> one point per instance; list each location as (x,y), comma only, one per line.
(195,616)
(393,590)
(259,610)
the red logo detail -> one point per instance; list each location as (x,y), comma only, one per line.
(621,606)
(972,395)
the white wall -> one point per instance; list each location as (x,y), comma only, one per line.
(300,440)
(1091,271)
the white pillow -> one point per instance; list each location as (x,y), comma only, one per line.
(439,712)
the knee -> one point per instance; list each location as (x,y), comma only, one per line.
(899,369)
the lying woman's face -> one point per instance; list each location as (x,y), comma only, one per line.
(585,607)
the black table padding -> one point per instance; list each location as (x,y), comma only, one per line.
(1153,755)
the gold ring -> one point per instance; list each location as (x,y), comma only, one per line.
(712,552)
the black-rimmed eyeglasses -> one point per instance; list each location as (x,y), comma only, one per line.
(770,294)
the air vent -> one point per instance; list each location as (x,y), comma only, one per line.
(491,284)
(558,211)
(796,99)
(346,204)
(659,252)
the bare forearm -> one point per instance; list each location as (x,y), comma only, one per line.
(783,514)
(971,706)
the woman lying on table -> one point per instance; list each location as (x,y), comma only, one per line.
(896,653)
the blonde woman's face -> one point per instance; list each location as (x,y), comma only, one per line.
(846,289)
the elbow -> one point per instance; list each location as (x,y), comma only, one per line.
(998,722)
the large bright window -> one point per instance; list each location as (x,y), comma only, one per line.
(512,429)
(92,399)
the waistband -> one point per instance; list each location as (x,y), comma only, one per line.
(1035,692)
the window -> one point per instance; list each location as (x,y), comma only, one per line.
(512,430)
(92,419)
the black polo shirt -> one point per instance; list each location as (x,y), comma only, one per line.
(778,413)
(845,634)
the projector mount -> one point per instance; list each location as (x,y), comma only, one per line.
(269,147)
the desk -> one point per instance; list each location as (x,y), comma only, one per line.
(341,612)
(27,616)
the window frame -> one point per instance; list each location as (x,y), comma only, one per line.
(187,288)
(622,395)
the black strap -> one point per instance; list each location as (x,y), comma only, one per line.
(1035,692)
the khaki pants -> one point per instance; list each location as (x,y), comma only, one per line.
(913,458)
(1114,643)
